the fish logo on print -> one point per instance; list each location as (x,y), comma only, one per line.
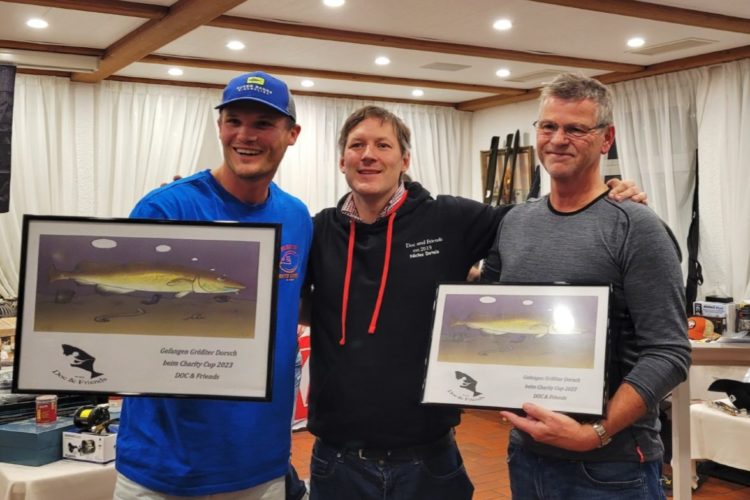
(83,362)
(466,388)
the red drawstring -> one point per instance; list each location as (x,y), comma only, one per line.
(347,280)
(384,275)
(386,263)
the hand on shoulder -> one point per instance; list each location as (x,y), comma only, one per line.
(623,190)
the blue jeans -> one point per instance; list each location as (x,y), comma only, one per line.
(295,487)
(534,477)
(341,474)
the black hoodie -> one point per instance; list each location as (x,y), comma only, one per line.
(365,388)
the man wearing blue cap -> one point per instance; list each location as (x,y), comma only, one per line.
(170,448)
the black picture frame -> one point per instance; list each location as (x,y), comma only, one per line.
(146,307)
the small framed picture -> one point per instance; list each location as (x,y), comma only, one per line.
(146,307)
(500,346)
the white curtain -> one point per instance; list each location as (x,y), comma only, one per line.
(657,136)
(440,156)
(94,150)
(724,152)
(81,149)
(144,134)
(42,160)
(660,122)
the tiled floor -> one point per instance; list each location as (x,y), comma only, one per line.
(483,439)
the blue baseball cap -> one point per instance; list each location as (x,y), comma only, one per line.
(260,87)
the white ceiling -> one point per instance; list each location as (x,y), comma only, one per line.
(341,67)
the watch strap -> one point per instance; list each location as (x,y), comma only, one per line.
(604,437)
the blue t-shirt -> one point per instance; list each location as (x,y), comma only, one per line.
(201,447)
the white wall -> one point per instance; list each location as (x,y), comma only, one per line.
(501,121)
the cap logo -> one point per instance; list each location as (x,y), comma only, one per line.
(262,88)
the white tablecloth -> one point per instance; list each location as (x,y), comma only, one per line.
(62,480)
(719,437)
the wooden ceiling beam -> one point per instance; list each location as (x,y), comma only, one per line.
(399,42)
(496,100)
(157,81)
(656,12)
(718,57)
(184,16)
(115,7)
(376,98)
(333,75)
(47,47)
(174,83)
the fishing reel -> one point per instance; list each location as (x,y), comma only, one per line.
(95,419)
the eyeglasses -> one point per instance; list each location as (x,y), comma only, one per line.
(548,128)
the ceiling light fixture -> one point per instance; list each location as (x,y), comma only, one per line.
(417,92)
(37,23)
(235,45)
(503,72)
(636,42)
(307,83)
(382,61)
(175,71)
(334,3)
(502,24)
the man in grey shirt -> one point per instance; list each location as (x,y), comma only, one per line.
(577,235)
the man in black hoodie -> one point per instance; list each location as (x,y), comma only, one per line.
(374,265)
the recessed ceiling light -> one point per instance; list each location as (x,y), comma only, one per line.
(636,42)
(37,23)
(502,24)
(417,92)
(235,45)
(175,71)
(503,72)
(382,61)
(334,3)
(307,83)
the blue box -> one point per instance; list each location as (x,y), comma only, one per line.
(28,443)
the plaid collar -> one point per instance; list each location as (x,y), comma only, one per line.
(350,210)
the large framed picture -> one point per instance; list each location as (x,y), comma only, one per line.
(500,346)
(146,307)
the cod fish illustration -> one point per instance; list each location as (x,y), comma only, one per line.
(517,326)
(147,277)
(80,359)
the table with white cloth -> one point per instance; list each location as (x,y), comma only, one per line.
(61,480)
(711,354)
(719,437)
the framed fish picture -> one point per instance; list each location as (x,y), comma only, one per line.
(500,346)
(146,307)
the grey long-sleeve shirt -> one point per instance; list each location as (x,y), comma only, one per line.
(626,245)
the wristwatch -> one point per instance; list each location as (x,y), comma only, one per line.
(604,437)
